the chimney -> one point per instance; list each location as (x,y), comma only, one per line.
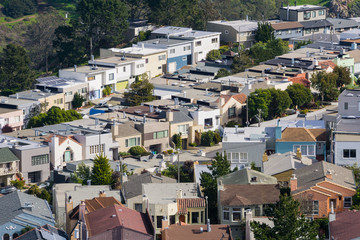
(248,219)
(102,193)
(17,95)
(184,94)
(247,18)
(332,215)
(293,183)
(265,157)
(298,154)
(316,62)
(82,209)
(28,206)
(144,119)
(221,185)
(208,226)
(329,174)
(164,223)
(169,116)
(92,58)
(68,208)
(179,194)
(88,182)
(96,121)
(75,68)
(307,54)
(151,107)
(292,61)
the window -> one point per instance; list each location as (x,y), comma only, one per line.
(298,30)
(138,207)
(40,159)
(349,153)
(314,14)
(140,65)
(236,214)
(231,112)
(183,129)
(172,219)
(226,32)
(172,51)
(257,211)
(186,48)
(333,201)
(243,157)
(159,221)
(316,207)
(253,32)
(184,58)
(124,69)
(321,12)
(160,134)
(316,29)
(60,101)
(235,157)
(69,93)
(194,217)
(306,150)
(91,78)
(146,60)
(84,90)
(214,40)
(198,44)
(347,202)
(132,142)
(111,76)
(308,31)
(288,32)
(94,149)
(159,67)
(17,119)
(162,57)
(307,15)
(279,33)
(208,122)
(346,105)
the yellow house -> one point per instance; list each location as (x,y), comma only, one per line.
(126,135)
(231,107)
(46,99)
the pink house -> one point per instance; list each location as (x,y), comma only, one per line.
(12,117)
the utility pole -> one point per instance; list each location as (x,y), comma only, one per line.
(259,111)
(178,159)
(247,111)
(207,207)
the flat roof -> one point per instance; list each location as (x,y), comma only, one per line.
(303,8)
(87,69)
(138,50)
(165,193)
(165,41)
(16,102)
(33,94)
(114,61)
(8,110)
(238,25)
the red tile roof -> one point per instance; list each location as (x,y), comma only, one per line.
(62,138)
(346,226)
(241,98)
(185,203)
(192,232)
(116,216)
(300,80)
(326,64)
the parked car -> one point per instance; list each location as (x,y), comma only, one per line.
(8,189)
(160,156)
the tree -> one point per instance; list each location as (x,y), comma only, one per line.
(186,171)
(138,9)
(107,91)
(343,76)
(18,183)
(81,175)
(299,94)
(213,55)
(15,72)
(140,91)
(55,115)
(137,151)
(207,138)
(280,101)
(325,83)
(265,32)
(44,194)
(6,129)
(26,229)
(176,138)
(220,166)
(40,37)
(302,43)
(263,51)
(77,101)
(19,8)
(259,101)
(288,222)
(222,73)
(241,62)
(101,172)
(34,190)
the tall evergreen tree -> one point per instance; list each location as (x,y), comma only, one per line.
(101,172)
(265,32)
(140,91)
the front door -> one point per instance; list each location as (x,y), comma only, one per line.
(182,218)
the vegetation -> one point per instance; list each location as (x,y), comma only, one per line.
(18,183)
(137,151)
(176,138)
(26,229)
(302,43)
(241,62)
(265,32)
(6,129)
(101,172)
(207,138)
(81,175)
(343,77)
(299,94)
(106,91)
(263,51)
(140,91)
(40,193)
(288,222)
(325,83)
(222,73)
(55,115)
(19,8)
(77,101)
(186,171)
(213,55)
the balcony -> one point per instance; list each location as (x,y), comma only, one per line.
(8,171)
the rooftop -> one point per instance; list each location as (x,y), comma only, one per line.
(45,232)
(113,61)
(182,32)
(137,50)
(6,155)
(165,42)
(346,226)
(247,176)
(286,25)
(316,24)
(186,232)
(239,25)
(87,69)
(303,8)
(343,23)
(35,94)
(303,135)
(6,101)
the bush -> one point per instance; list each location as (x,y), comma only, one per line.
(170,151)
(19,184)
(137,151)
(19,8)
(106,91)
(213,55)
(192,144)
(124,154)
(176,138)
(207,138)
(217,137)
(304,111)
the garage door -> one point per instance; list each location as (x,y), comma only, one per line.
(172,67)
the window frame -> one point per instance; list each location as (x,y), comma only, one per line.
(111,76)
(346,106)
(226,210)
(315,210)
(345,203)
(350,151)
(236,212)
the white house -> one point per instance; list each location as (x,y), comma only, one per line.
(207,117)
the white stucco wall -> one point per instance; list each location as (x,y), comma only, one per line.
(57,151)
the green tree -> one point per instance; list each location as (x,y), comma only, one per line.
(44,194)
(289,224)
(77,101)
(26,229)
(220,166)
(186,171)
(137,151)
(241,62)
(19,8)
(302,43)
(81,175)
(140,91)
(222,73)
(138,9)
(55,115)
(343,76)
(18,183)
(15,72)
(259,101)
(101,172)
(207,138)
(325,83)
(280,101)
(263,51)
(107,91)
(213,55)
(176,138)
(299,94)
(34,190)
(265,32)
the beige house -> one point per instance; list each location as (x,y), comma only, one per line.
(231,107)
(302,13)
(126,135)
(155,135)
(9,166)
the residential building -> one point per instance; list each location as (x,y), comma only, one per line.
(155,59)
(343,24)
(355,54)
(34,158)
(339,227)
(135,27)
(231,107)
(127,222)
(68,87)
(202,42)
(46,99)
(242,190)
(13,118)
(178,202)
(282,165)
(179,52)
(316,26)
(126,135)
(46,232)
(287,30)
(206,117)
(132,188)
(241,31)
(321,185)
(155,135)
(19,210)
(196,232)
(181,123)
(27,106)
(9,166)
(302,13)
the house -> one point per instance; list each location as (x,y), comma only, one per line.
(181,123)
(310,141)
(196,232)
(46,99)
(126,135)
(249,234)
(343,24)
(155,59)
(178,202)
(282,165)
(316,26)
(19,210)
(242,190)
(302,13)
(321,185)
(132,188)
(34,158)
(9,166)
(202,42)
(14,118)
(46,232)
(340,227)
(287,30)
(135,27)
(155,135)
(231,107)
(355,54)
(116,221)
(27,106)
(241,31)
(68,87)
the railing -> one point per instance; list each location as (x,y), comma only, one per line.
(7,171)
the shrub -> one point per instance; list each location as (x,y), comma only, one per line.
(137,151)
(207,138)
(192,144)
(19,184)
(217,137)
(123,154)
(170,151)
(106,91)
(304,111)
(176,138)
(213,55)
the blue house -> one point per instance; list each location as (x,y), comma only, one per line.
(19,210)
(311,142)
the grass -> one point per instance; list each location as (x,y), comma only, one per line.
(310,2)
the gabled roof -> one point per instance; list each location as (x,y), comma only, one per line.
(117,216)
(346,226)
(246,195)
(300,80)
(6,155)
(185,203)
(302,135)
(181,117)
(327,64)
(45,232)
(187,232)
(316,24)
(62,138)
(309,176)
(245,176)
